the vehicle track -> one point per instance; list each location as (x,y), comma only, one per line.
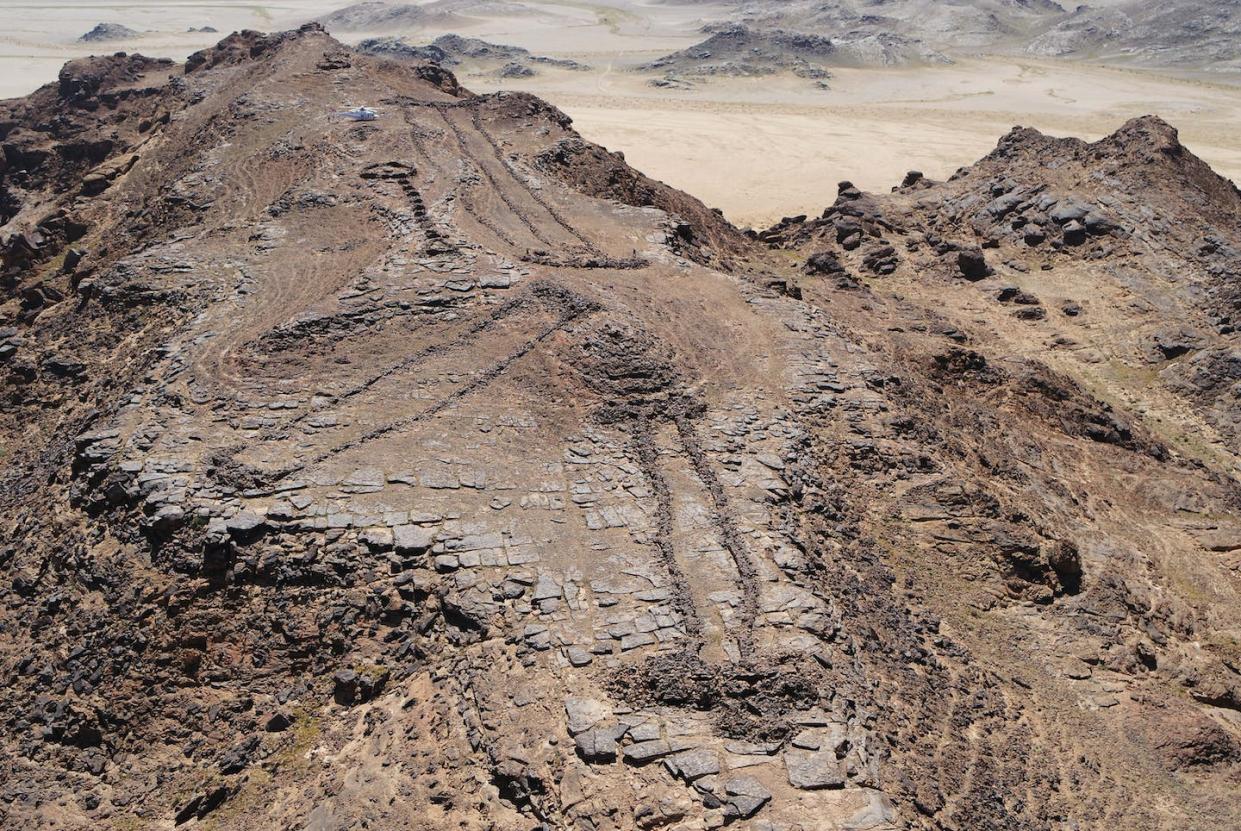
(466,201)
(431,351)
(286,287)
(483,379)
(585,254)
(468,193)
(514,208)
(477,119)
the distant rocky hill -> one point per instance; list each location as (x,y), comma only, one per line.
(754,37)
(740,50)
(1197,34)
(108,31)
(443,471)
(386,16)
(372,16)
(950,27)
(455,50)
(758,37)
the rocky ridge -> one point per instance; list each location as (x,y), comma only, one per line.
(745,51)
(453,51)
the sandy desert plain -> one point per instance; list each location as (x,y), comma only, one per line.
(784,141)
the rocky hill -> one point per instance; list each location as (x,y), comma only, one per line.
(371,16)
(456,51)
(1195,34)
(385,16)
(956,26)
(739,50)
(108,31)
(443,471)
(1188,34)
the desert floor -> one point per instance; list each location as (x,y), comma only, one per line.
(758,149)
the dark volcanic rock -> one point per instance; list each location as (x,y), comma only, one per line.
(823,262)
(973,264)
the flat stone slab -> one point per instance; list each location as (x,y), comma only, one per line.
(546,588)
(643,752)
(577,656)
(585,713)
(598,744)
(245,525)
(746,796)
(742,748)
(693,764)
(367,477)
(645,731)
(628,642)
(412,539)
(811,770)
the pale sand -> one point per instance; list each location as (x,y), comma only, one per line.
(758,149)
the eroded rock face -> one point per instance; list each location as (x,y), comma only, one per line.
(443,471)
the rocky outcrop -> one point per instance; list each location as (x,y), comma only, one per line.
(108,31)
(740,50)
(700,230)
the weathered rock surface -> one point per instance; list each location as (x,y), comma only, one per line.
(443,471)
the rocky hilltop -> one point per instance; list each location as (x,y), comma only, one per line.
(443,471)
